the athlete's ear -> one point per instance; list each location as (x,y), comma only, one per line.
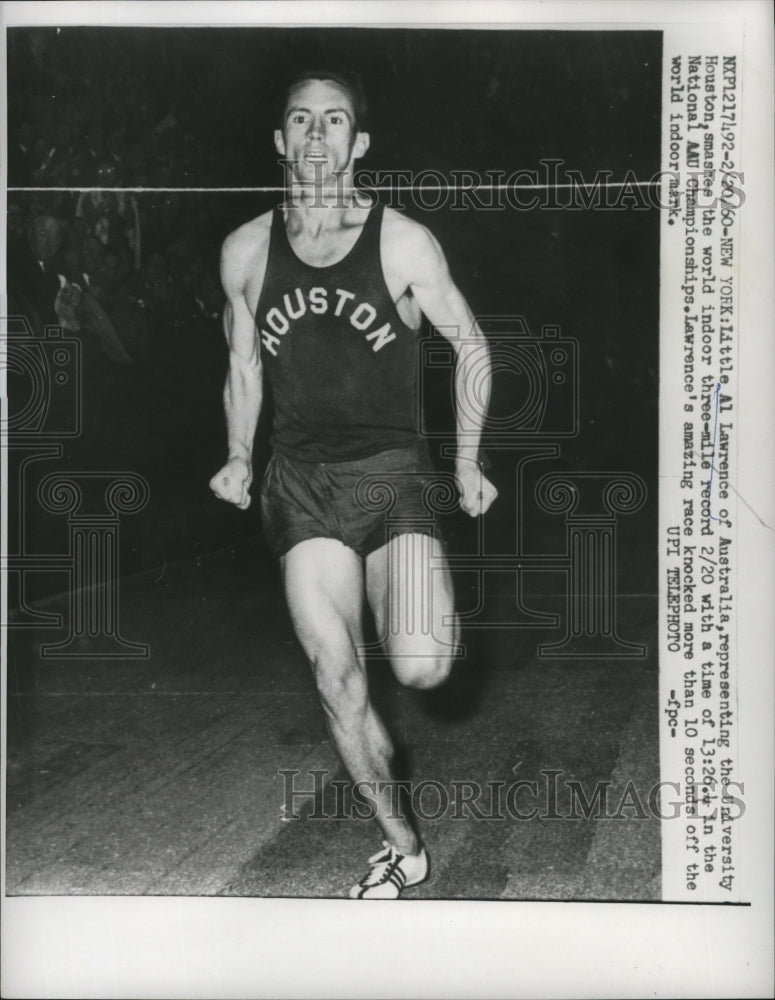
(361,145)
(279,141)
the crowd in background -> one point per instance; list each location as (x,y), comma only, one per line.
(134,280)
(127,267)
(131,276)
(122,268)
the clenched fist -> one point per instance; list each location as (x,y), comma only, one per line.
(232,483)
(476,490)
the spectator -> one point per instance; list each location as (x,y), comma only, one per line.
(36,272)
(110,215)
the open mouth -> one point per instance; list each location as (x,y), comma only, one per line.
(315,156)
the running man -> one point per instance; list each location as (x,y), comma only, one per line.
(326,293)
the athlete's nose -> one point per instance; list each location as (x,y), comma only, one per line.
(315,129)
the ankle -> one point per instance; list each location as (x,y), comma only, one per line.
(410,848)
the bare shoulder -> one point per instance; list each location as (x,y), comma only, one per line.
(244,252)
(409,246)
(247,242)
(405,232)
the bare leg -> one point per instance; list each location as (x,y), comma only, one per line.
(324,587)
(409,587)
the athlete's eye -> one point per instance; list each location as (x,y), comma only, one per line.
(336,119)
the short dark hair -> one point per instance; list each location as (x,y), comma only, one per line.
(348,80)
(35,216)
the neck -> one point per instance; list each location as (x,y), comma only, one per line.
(322,206)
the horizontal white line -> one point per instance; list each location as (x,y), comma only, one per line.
(395,187)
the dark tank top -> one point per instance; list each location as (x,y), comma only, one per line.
(341,363)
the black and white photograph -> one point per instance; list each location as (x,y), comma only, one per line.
(372,481)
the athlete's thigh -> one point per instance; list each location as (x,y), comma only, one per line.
(323,582)
(409,587)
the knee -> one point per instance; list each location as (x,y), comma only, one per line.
(423,672)
(340,683)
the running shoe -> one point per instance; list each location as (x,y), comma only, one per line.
(390,873)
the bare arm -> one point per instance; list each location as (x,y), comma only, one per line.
(444,305)
(243,391)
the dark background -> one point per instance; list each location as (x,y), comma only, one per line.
(439,99)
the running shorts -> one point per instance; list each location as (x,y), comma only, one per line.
(362,502)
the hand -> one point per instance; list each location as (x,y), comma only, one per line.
(67,301)
(476,491)
(232,483)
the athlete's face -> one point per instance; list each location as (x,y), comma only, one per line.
(318,137)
